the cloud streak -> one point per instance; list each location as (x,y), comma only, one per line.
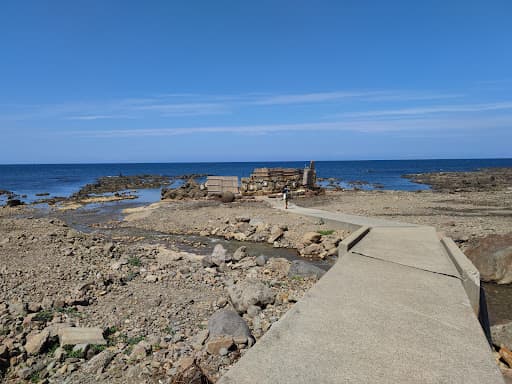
(466,108)
(177,105)
(362,126)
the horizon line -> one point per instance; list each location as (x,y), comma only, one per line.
(259,161)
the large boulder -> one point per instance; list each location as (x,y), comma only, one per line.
(299,268)
(502,335)
(228,323)
(227,197)
(492,256)
(250,292)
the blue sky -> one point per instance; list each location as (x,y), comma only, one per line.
(158,81)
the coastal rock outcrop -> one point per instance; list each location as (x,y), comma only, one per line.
(188,190)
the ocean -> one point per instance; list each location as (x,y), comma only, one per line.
(65,179)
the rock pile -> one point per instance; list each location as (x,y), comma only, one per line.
(82,308)
(318,245)
(188,190)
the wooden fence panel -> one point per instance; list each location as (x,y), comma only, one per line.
(220,184)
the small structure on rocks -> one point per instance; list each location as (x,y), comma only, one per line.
(221,184)
(264,181)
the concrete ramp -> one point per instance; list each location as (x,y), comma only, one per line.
(392,310)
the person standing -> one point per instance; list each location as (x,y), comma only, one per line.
(286,195)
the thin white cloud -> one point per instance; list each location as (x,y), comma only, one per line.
(320,97)
(98,117)
(183,104)
(430,110)
(186,109)
(364,126)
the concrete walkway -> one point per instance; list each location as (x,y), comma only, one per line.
(393,309)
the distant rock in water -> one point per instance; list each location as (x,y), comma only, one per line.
(489,179)
(108,184)
(492,256)
(14,203)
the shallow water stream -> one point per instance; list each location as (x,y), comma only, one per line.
(98,218)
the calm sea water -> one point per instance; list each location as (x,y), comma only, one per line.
(64,179)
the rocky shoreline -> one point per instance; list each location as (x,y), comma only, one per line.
(137,310)
(117,305)
(488,179)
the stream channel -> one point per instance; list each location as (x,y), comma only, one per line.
(101,218)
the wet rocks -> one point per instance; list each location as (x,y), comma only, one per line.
(250,292)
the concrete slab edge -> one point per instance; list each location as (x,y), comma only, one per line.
(468,272)
(347,243)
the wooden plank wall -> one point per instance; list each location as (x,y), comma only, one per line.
(220,184)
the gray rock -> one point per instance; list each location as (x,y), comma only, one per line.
(199,339)
(223,351)
(240,253)
(275,235)
(218,256)
(80,349)
(261,260)
(25,373)
(18,308)
(140,351)
(60,354)
(228,323)
(313,250)
(250,292)
(207,262)
(502,335)
(227,197)
(99,362)
(253,311)
(302,269)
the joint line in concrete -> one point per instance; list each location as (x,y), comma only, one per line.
(405,265)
